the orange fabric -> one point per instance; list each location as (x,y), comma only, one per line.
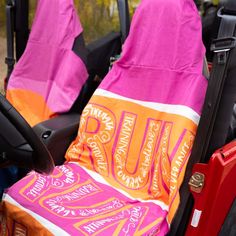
(17,222)
(35,111)
(105,137)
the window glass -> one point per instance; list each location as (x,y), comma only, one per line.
(2,18)
(133,5)
(32,7)
(98,17)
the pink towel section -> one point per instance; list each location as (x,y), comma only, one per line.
(72,202)
(49,75)
(162,57)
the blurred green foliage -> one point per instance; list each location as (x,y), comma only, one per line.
(98,17)
(2,17)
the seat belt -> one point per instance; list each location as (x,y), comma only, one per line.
(223,48)
(9,60)
(224,51)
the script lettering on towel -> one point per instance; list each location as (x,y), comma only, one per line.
(138,176)
(159,184)
(38,184)
(73,210)
(97,128)
(59,203)
(179,160)
(135,215)
(128,221)
(136,148)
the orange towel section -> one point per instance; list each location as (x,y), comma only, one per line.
(36,109)
(137,149)
(17,227)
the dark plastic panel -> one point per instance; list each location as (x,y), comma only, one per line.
(57,134)
(229,6)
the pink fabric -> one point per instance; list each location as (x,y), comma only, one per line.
(162,57)
(138,146)
(80,205)
(138,129)
(48,66)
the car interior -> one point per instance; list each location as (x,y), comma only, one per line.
(121,158)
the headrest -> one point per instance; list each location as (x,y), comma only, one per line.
(177,50)
(229,6)
(164,44)
(49,76)
(56,23)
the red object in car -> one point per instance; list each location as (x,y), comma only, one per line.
(213,202)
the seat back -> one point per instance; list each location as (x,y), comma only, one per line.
(49,75)
(138,129)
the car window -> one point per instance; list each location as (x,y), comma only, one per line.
(32,7)
(133,5)
(98,17)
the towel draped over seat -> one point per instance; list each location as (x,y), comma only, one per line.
(49,76)
(125,168)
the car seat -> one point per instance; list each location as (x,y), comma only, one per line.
(125,168)
(49,76)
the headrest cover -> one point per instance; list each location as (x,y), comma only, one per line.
(49,76)
(165,41)
(56,23)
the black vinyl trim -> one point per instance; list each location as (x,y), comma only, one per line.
(217,98)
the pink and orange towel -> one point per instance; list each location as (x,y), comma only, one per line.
(125,168)
(73,201)
(49,75)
